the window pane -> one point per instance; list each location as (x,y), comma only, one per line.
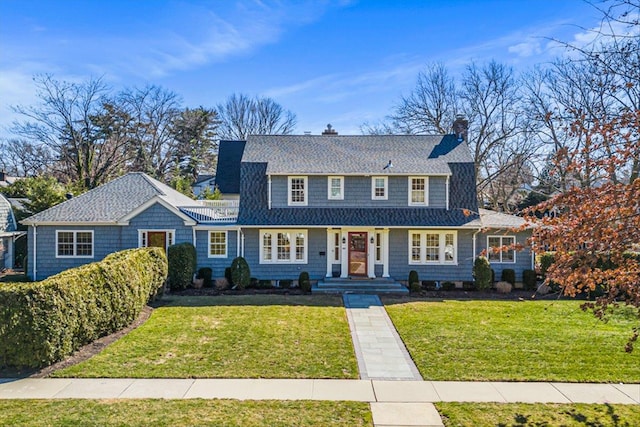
(284,246)
(378,247)
(417,190)
(336,246)
(379,187)
(494,243)
(266,247)
(218,245)
(508,255)
(84,245)
(432,247)
(415,247)
(297,190)
(300,247)
(65,244)
(449,250)
(336,187)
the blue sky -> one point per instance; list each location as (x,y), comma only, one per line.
(339,62)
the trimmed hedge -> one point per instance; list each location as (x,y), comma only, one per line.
(42,322)
(240,272)
(304,282)
(529,280)
(182,260)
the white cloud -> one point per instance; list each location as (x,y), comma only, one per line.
(526,49)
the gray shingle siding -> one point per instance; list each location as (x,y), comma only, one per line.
(523,258)
(399,266)
(254,209)
(217,264)
(316,265)
(106,239)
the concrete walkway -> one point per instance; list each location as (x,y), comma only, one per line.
(380,352)
(393,403)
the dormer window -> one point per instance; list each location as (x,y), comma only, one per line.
(297,191)
(418,191)
(335,188)
(379,188)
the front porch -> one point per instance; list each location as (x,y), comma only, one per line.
(378,285)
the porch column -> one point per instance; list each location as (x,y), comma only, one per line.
(329,251)
(344,256)
(371,254)
(385,252)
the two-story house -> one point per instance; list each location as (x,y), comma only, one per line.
(355,207)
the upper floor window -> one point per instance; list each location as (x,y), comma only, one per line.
(432,247)
(74,244)
(501,249)
(418,191)
(297,190)
(217,244)
(336,188)
(379,188)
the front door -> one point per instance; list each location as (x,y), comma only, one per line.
(358,254)
(157,239)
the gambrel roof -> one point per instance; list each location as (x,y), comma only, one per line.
(114,202)
(356,155)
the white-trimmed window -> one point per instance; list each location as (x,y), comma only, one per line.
(297,191)
(283,246)
(74,244)
(217,244)
(378,249)
(379,188)
(158,238)
(418,191)
(433,247)
(336,247)
(500,249)
(335,190)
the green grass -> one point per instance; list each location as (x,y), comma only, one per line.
(182,413)
(515,341)
(257,336)
(521,415)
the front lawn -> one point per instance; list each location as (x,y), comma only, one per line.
(255,336)
(521,415)
(515,341)
(147,412)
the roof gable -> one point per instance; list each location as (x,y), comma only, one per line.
(112,202)
(358,155)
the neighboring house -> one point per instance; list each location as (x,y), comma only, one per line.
(6,180)
(343,206)
(203,182)
(8,233)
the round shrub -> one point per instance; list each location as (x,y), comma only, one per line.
(304,282)
(414,281)
(529,280)
(205,273)
(546,260)
(482,273)
(509,275)
(182,265)
(240,273)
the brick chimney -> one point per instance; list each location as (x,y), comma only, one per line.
(461,127)
(329,130)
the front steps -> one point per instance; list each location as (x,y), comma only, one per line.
(358,286)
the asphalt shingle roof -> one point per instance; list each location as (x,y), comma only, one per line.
(228,169)
(111,201)
(361,155)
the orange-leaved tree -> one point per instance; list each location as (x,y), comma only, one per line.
(595,231)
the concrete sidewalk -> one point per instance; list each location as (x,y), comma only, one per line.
(319,389)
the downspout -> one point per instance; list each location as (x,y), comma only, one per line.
(193,232)
(447,191)
(242,245)
(35,252)
(474,243)
(269,191)
(238,231)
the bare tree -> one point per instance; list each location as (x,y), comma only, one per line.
(64,122)
(21,157)
(241,116)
